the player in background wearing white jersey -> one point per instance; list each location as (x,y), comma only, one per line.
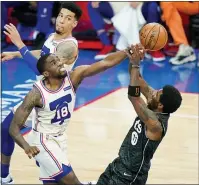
(59,42)
(53,98)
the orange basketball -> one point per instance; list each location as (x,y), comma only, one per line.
(153,36)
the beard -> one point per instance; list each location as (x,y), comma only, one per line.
(60,76)
(153,105)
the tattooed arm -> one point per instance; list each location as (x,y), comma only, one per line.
(154,128)
(145,89)
(32,99)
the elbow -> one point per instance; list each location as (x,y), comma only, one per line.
(11,131)
(105,65)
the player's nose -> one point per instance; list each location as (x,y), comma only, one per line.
(60,63)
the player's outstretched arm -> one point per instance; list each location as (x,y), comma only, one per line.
(13,34)
(154,128)
(84,71)
(32,99)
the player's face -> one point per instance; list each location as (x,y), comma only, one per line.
(155,100)
(54,67)
(65,21)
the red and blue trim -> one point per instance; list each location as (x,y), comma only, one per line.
(51,155)
(42,95)
(52,92)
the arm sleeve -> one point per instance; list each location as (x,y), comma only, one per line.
(30,59)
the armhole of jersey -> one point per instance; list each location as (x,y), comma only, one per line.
(42,95)
(71,84)
(163,129)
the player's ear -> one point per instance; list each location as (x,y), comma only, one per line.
(75,24)
(160,106)
(46,74)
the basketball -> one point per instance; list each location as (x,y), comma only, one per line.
(153,36)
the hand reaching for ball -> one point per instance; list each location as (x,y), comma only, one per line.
(136,53)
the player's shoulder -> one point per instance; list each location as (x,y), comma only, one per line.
(50,36)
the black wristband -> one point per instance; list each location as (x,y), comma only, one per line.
(134,91)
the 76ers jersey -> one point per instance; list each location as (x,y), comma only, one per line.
(58,106)
(50,45)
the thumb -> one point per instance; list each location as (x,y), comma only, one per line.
(29,155)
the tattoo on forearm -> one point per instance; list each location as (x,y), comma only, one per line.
(134,81)
(32,99)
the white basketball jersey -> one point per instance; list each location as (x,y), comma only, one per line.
(50,45)
(57,109)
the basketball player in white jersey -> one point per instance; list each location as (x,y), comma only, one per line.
(60,42)
(66,21)
(53,97)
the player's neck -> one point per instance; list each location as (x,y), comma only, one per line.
(53,84)
(62,36)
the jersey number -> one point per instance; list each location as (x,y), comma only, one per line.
(138,130)
(61,107)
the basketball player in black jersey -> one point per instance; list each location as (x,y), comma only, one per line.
(132,165)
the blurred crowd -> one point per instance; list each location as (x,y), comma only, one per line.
(115,24)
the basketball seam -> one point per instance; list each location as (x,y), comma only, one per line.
(148,34)
(166,38)
(156,39)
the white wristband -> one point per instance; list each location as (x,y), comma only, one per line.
(135,66)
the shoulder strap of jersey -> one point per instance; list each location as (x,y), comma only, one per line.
(36,85)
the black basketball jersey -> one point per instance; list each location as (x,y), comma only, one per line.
(137,150)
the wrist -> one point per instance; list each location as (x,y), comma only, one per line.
(25,145)
(134,91)
(135,66)
(20,45)
(23,50)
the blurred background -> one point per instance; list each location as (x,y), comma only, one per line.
(100,32)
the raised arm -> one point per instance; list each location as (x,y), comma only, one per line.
(145,89)
(82,72)
(32,99)
(30,57)
(154,128)
(15,37)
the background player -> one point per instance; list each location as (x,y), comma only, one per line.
(53,98)
(149,128)
(60,42)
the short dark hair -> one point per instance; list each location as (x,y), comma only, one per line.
(73,8)
(170,98)
(41,63)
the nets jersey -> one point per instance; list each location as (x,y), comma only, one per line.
(137,150)
(58,106)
